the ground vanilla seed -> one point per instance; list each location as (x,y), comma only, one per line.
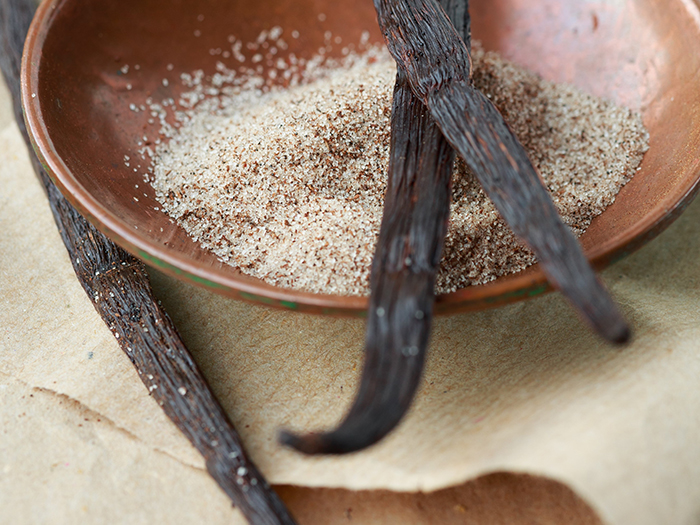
(288,184)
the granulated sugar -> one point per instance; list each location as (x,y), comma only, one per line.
(288,184)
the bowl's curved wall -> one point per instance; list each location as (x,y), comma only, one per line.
(77,100)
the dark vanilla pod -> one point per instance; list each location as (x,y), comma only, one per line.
(404,268)
(119,288)
(437,62)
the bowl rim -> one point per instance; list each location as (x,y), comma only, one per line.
(528,283)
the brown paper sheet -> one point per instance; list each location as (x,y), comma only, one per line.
(524,389)
(62,464)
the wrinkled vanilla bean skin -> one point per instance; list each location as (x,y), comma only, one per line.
(119,288)
(404,268)
(435,63)
(438,66)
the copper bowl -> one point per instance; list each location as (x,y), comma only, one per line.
(644,54)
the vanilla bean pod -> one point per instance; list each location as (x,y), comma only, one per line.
(438,66)
(119,288)
(404,268)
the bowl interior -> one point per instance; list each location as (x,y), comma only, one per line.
(78,92)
